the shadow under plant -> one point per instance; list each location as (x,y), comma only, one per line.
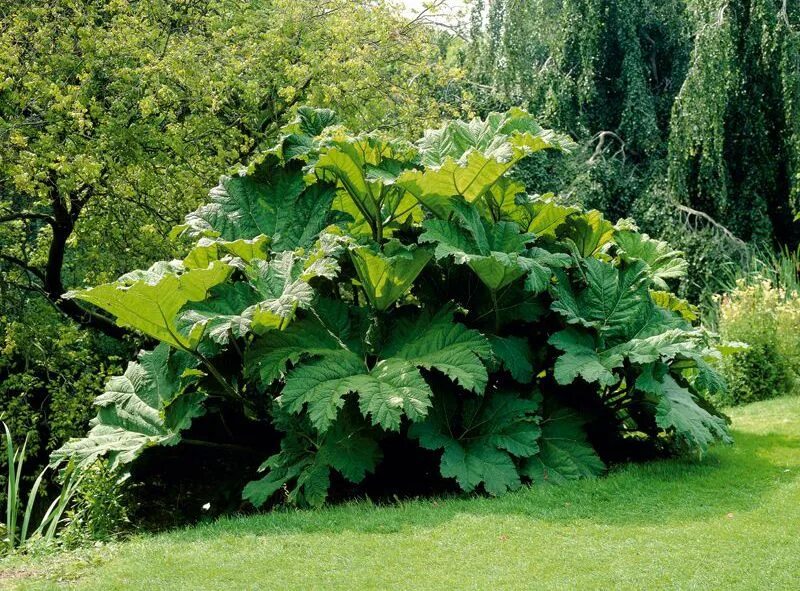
(729,480)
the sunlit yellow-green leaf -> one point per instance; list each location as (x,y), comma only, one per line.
(150,300)
(209,250)
(387,273)
(588,232)
(673,303)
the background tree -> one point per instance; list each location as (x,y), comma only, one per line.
(734,139)
(588,65)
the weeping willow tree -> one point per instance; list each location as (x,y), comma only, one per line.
(688,111)
(590,66)
(605,70)
(734,147)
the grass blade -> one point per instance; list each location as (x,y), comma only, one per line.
(13,490)
(23,534)
(68,490)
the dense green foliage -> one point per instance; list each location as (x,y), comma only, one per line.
(89,504)
(51,371)
(23,523)
(348,290)
(589,66)
(115,118)
(99,508)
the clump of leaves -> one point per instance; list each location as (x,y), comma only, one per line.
(345,289)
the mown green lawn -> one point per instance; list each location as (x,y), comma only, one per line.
(731,521)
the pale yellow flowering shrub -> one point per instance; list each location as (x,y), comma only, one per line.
(767,318)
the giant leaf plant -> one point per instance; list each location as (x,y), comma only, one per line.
(346,291)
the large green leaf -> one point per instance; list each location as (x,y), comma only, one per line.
(677,411)
(321,386)
(544,216)
(497,269)
(664,346)
(268,356)
(269,299)
(481,438)
(282,286)
(394,388)
(706,379)
(304,464)
(694,427)
(565,453)
(349,324)
(300,138)
(538,264)
(651,335)
(311,121)
(273,200)
(208,250)
(391,389)
(455,138)
(149,301)
(365,169)
(437,188)
(144,407)
(501,203)
(436,341)
(514,354)
(388,272)
(224,315)
(345,162)
(501,136)
(496,252)
(588,233)
(469,159)
(612,299)
(671,302)
(651,320)
(541,215)
(663,262)
(512,306)
(581,358)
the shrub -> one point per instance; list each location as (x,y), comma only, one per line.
(99,509)
(767,319)
(348,292)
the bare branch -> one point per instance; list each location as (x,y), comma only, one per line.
(707,218)
(423,16)
(600,138)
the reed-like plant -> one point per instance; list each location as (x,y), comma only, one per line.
(18,536)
